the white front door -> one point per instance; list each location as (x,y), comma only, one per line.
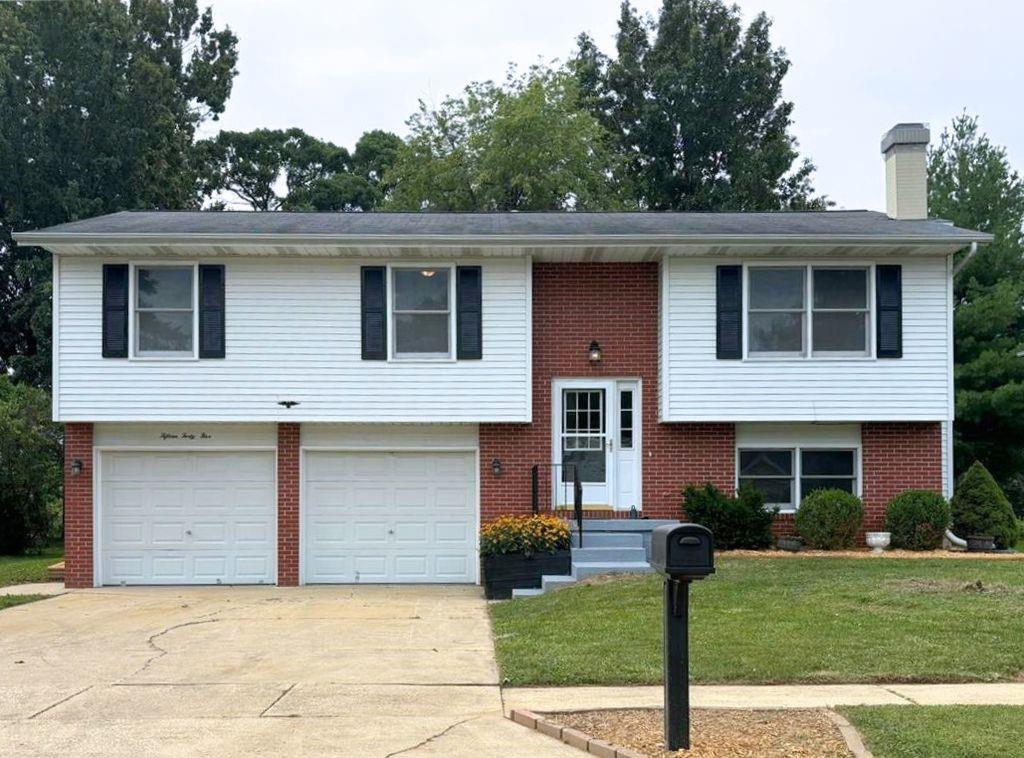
(378,516)
(597,435)
(187,517)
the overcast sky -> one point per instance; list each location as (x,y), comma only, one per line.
(337,68)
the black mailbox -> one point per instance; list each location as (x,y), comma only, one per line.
(683,551)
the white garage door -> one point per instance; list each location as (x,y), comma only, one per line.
(390,517)
(187,518)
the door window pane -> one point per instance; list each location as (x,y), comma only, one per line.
(591,464)
(626,420)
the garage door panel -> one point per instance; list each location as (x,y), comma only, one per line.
(187,517)
(389,517)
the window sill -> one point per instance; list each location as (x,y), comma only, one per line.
(810,358)
(421,359)
(163,358)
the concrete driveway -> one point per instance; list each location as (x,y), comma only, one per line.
(224,671)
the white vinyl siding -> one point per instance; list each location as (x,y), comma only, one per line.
(702,388)
(293,333)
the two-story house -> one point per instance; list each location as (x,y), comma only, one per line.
(327,397)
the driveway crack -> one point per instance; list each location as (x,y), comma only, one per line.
(160,652)
(278,699)
(59,702)
(431,738)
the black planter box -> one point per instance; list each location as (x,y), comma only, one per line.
(981,543)
(504,573)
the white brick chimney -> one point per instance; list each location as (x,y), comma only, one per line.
(906,171)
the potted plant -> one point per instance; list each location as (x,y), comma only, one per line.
(516,551)
(878,541)
(790,544)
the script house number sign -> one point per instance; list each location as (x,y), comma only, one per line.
(185,436)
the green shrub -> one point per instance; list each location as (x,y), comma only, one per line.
(979,507)
(737,523)
(29,468)
(917,519)
(829,519)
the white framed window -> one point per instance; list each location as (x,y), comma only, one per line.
(422,316)
(164,313)
(626,411)
(808,311)
(785,476)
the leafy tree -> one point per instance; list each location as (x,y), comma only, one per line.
(521,146)
(972,184)
(694,104)
(274,169)
(30,474)
(99,107)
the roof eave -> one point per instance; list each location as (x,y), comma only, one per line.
(43,239)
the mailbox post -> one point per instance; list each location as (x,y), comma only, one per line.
(683,553)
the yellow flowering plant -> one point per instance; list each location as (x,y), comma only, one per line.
(524,534)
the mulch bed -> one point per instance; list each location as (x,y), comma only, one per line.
(716,732)
(954,554)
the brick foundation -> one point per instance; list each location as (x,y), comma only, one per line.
(288,504)
(897,457)
(78,507)
(617,305)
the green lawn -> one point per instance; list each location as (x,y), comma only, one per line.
(763,620)
(21,569)
(9,601)
(956,731)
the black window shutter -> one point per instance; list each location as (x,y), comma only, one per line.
(115,311)
(729,323)
(469,316)
(211,311)
(889,296)
(374,319)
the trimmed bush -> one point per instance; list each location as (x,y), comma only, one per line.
(979,507)
(917,519)
(524,534)
(737,523)
(829,519)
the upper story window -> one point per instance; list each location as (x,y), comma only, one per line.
(164,310)
(421,311)
(796,311)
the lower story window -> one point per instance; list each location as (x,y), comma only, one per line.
(785,477)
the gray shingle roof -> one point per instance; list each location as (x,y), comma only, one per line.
(811,224)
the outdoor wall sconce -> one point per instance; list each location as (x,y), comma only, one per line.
(496,467)
(76,467)
(594,352)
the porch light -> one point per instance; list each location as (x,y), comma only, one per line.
(594,352)
(76,467)
(496,468)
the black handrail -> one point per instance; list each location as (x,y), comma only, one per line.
(535,488)
(577,502)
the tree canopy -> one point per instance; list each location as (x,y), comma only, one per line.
(972,184)
(693,102)
(274,169)
(525,145)
(100,105)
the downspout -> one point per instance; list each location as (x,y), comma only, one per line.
(966,259)
(954,540)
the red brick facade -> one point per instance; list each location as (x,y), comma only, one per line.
(288,504)
(617,305)
(78,512)
(897,457)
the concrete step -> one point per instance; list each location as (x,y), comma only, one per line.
(530,592)
(553,582)
(613,554)
(608,539)
(593,568)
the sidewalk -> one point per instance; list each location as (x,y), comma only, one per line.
(36,588)
(548,699)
